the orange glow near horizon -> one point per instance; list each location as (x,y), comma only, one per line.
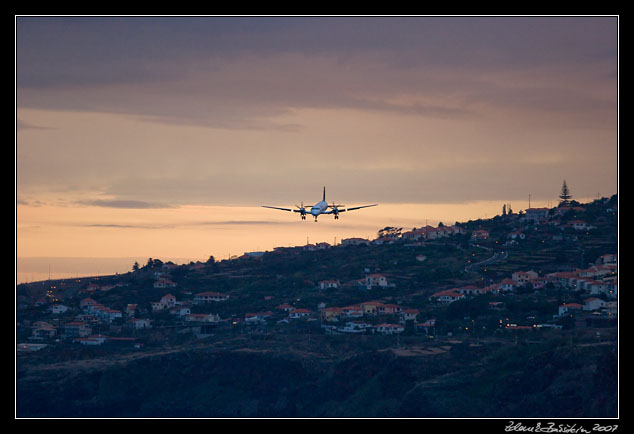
(199,231)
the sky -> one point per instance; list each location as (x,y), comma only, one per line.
(161,136)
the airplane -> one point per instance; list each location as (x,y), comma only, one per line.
(320,208)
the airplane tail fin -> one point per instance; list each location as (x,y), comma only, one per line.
(324,199)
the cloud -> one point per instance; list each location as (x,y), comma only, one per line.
(245,72)
(178,225)
(21,125)
(119,203)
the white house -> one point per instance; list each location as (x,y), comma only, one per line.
(376,281)
(569,307)
(354,242)
(580,225)
(180,310)
(256,317)
(507,285)
(352,311)
(166,302)
(204,297)
(299,313)
(448,296)
(203,317)
(408,315)
(515,235)
(388,329)
(139,323)
(164,282)
(354,327)
(57,309)
(536,214)
(593,303)
(522,277)
(329,284)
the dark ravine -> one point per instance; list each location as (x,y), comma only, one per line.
(512,382)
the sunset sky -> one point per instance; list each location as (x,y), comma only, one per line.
(162,136)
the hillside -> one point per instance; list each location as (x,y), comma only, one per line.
(420,323)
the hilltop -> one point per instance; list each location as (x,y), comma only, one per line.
(527,299)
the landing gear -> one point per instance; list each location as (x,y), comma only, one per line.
(303,217)
(336,216)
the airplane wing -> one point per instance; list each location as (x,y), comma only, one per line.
(283,209)
(357,207)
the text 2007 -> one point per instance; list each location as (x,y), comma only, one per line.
(604,428)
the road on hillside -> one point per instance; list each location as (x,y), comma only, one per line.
(497,257)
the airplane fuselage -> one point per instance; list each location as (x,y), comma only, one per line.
(319,208)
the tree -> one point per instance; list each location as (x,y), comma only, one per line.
(135,267)
(390,232)
(565,195)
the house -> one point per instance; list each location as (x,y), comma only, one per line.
(258,317)
(593,303)
(328,284)
(537,215)
(286,307)
(408,315)
(507,285)
(388,329)
(569,307)
(580,225)
(427,326)
(413,235)
(355,242)
(29,347)
(85,317)
(91,340)
(522,277)
(354,327)
(164,282)
(383,240)
(57,309)
(92,287)
(42,330)
(516,235)
(204,297)
(299,313)
(471,290)
(203,317)
(75,329)
(597,271)
(596,287)
(388,309)
(86,303)
(371,307)
(180,310)
(376,281)
(606,259)
(330,313)
(352,311)
(139,323)
(166,302)
(130,310)
(104,313)
(480,234)
(447,296)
